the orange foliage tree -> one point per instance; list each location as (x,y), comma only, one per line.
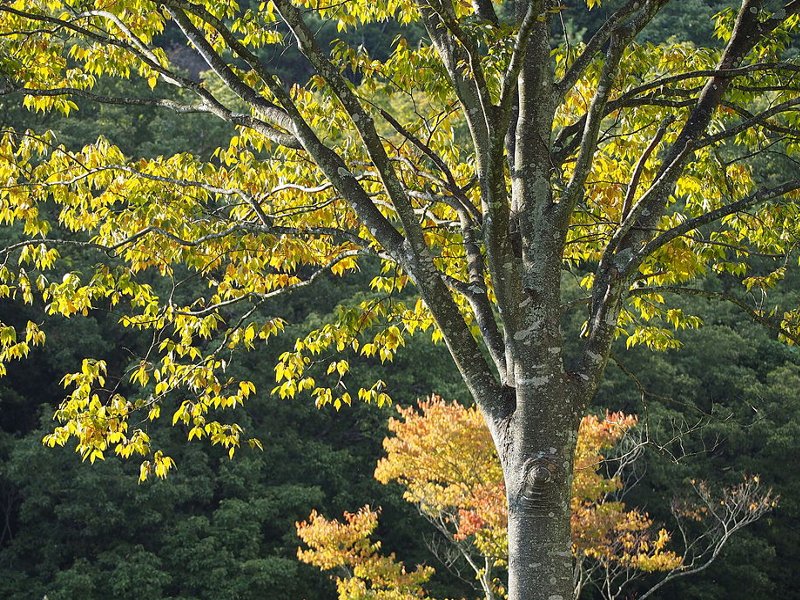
(443,455)
(363,573)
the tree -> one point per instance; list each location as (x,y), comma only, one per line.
(444,458)
(479,165)
(365,574)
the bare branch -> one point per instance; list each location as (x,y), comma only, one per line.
(508,88)
(738,507)
(485,10)
(444,11)
(466,90)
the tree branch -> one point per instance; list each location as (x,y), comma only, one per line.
(593,46)
(221,68)
(451,183)
(619,259)
(209,103)
(630,193)
(756,315)
(754,199)
(591,129)
(566,142)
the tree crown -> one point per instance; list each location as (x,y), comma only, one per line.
(478,164)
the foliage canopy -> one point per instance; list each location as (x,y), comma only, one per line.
(479,164)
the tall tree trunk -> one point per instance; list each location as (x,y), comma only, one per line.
(537,462)
(540,560)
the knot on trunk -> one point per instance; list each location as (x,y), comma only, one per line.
(537,494)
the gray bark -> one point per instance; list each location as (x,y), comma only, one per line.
(537,464)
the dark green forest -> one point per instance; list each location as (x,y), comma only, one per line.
(223,529)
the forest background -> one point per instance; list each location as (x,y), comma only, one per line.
(224,529)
